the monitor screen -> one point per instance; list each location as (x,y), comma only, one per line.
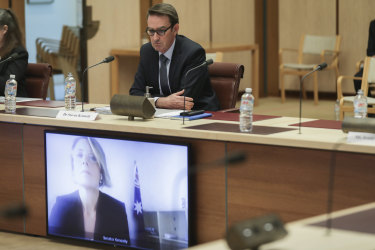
(117,191)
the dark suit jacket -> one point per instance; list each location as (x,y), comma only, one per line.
(111,221)
(15,67)
(186,55)
(371,39)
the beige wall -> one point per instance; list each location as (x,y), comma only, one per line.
(119,28)
(319,17)
(194,18)
(354,20)
(234,23)
(297,17)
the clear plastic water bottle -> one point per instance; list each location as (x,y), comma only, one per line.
(337,110)
(10,94)
(246,111)
(360,105)
(70,92)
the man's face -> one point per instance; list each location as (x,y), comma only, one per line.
(161,43)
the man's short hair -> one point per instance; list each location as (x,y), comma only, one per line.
(164,9)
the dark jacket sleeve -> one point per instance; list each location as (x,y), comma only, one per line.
(15,67)
(371,40)
(147,73)
(139,85)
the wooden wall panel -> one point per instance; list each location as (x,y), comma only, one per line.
(11,183)
(233,22)
(119,28)
(297,185)
(354,21)
(306,17)
(194,19)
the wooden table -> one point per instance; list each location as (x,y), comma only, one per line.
(134,52)
(284,172)
(302,235)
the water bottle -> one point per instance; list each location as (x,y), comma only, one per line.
(10,94)
(70,92)
(337,110)
(360,105)
(246,111)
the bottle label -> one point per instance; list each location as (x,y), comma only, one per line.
(11,90)
(360,107)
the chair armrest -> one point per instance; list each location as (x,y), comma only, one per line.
(359,64)
(330,52)
(339,84)
(333,53)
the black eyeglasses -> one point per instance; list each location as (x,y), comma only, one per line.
(160,32)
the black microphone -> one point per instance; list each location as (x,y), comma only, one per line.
(11,57)
(13,211)
(105,60)
(319,67)
(205,63)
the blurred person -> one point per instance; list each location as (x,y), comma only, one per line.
(370,52)
(11,43)
(89,213)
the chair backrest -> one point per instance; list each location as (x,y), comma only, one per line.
(368,77)
(316,44)
(371,71)
(37,79)
(225,80)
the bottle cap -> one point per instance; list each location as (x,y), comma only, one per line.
(12,76)
(248,90)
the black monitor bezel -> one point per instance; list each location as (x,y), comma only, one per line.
(119,136)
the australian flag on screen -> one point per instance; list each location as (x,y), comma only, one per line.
(137,208)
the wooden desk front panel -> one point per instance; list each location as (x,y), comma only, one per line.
(35,188)
(208,192)
(11,173)
(293,182)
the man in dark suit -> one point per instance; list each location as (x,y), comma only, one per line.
(165,61)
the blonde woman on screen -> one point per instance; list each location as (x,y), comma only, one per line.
(88,213)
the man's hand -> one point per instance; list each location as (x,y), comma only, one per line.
(175,101)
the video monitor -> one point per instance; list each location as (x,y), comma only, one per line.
(117,191)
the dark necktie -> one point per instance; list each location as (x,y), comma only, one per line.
(163,75)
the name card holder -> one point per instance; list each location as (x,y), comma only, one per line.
(76,115)
(361,138)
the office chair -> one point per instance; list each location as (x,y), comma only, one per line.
(37,79)
(225,80)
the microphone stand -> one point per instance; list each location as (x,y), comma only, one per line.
(106,60)
(319,67)
(208,62)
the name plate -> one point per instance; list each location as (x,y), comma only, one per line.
(76,115)
(361,138)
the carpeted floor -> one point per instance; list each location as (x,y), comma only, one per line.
(273,106)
